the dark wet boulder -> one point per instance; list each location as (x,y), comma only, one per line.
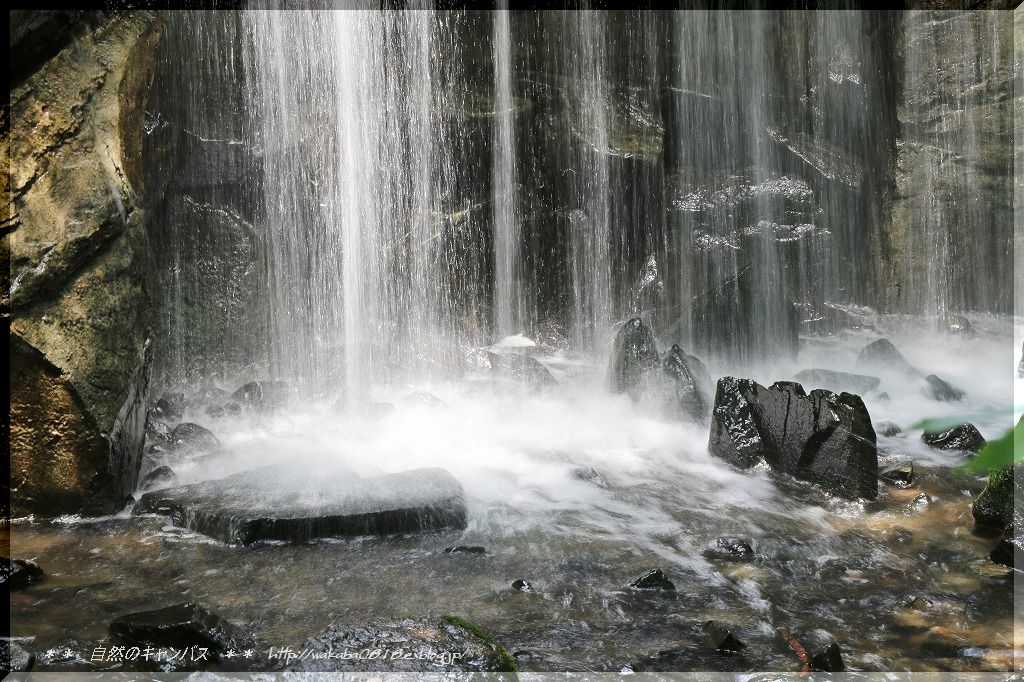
(15,659)
(994,507)
(720,636)
(261,395)
(1009,552)
(591,476)
(881,355)
(689,383)
(730,549)
(465,549)
(157,431)
(170,406)
(958,325)
(828,660)
(18,573)
(180,626)
(888,429)
(962,438)
(522,586)
(228,408)
(837,381)
(161,477)
(653,579)
(522,368)
(451,644)
(823,438)
(193,438)
(938,389)
(634,359)
(294,504)
(900,477)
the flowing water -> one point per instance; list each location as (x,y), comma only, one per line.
(362,202)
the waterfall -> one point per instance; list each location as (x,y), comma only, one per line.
(399,188)
(508,280)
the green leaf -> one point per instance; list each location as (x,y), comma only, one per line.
(1005,451)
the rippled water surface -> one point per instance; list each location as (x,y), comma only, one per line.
(900,583)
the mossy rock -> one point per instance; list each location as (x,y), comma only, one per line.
(994,506)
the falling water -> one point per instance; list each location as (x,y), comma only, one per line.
(508,282)
(419,184)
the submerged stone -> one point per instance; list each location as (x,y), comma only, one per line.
(823,438)
(828,660)
(590,475)
(653,579)
(296,505)
(180,626)
(837,381)
(994,507)
(522,586)
(901,476)
(18,573)
(963,438)
(720,636)
(450,645)
(729,549)
(465,549)
(634,358)
(941,390)
(690,383)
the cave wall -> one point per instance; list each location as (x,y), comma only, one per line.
(76,292)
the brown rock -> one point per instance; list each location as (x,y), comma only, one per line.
(75,243)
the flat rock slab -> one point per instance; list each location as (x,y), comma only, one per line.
(296,504)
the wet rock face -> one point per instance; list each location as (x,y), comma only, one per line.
(286,504)
(994,507)
(73,233)
(180,626)
(407,646)
(634,358)
(822,437)
(962,438)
